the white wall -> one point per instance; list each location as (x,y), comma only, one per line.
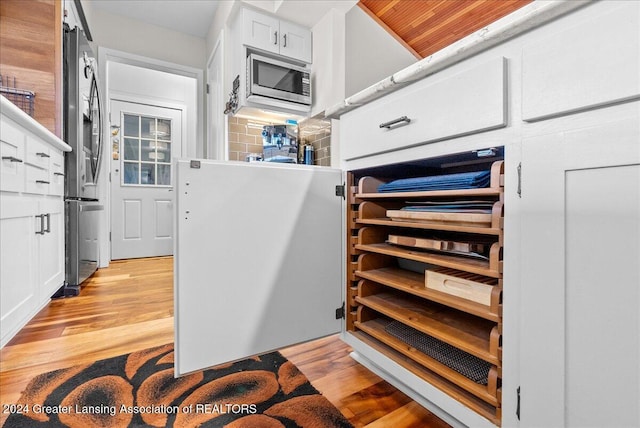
(137,37)
(143,85)
(371,53)
(328,69)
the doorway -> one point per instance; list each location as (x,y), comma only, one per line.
(144,140)
(147,81)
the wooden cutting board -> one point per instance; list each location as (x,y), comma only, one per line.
(436,244)
(462,219)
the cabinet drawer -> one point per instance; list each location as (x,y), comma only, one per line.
(592,64)
(12,150)
(36,180)
(465,103)
(37,153)
(56,173)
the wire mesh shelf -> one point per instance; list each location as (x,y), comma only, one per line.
(21,98)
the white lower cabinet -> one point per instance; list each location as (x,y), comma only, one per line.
(559,331)
(32,219)
(32,257)
(19,290)
(580,287)
(51,248)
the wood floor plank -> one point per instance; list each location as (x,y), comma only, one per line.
(129,307)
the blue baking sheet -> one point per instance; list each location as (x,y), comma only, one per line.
(465,180)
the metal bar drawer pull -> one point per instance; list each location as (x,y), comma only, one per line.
(11,159)
(389,124)
(42,182)
(41,231)
(59,173)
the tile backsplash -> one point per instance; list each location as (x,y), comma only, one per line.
(245,138)
(317,132)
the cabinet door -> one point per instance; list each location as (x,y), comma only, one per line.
(18,276)
(295,41)
(51,248)
(258,259)
(260,31)
(580,314)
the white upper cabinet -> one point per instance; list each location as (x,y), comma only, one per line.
(295,41)
(265,32)
(260,31)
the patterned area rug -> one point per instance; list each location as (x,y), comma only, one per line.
(139,390)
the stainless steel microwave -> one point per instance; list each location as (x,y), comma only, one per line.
(278,80)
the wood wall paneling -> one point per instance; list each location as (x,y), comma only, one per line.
(31,51)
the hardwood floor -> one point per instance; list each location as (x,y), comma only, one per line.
(129,307)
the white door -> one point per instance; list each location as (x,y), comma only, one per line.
(258,259)
(580,288)
(144,140)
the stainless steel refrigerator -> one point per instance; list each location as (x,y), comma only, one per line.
(83,132)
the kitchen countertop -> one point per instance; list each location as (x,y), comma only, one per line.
(13,112)
(523,19)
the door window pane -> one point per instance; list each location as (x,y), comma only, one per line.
(164,175)
(131,149)
(146,156)
(147,173)
(148,150)
(163,130)
(131,125)
(131,173)
(148,127)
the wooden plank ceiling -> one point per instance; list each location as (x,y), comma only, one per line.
(426,26)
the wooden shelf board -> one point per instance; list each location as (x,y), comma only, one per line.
(376,328)
(464,331)
(480,267)
(489,191)
(431,226)
(412,282)
(484,409)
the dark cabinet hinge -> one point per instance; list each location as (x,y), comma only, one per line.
(340,190)
(340,312)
